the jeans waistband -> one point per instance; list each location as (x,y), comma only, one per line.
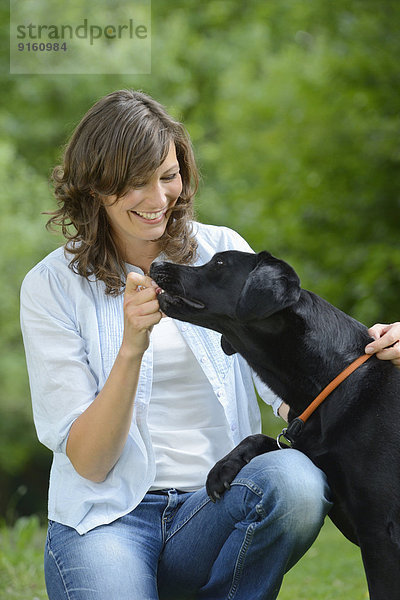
(165,492)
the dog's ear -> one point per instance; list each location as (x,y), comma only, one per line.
(271,286)
(227,346)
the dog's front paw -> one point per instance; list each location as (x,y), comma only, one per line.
(222,474)
(225,470)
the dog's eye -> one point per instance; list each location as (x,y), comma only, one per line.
(219,262)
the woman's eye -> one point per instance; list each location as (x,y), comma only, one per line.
(170,177)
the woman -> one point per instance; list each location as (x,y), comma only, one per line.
(136,407)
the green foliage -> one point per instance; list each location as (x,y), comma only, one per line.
(301,148)
(293,108)
(23,195)
(21,561)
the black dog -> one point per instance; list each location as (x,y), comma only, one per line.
(297,343)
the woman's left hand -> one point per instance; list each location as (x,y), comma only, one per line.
(387,342)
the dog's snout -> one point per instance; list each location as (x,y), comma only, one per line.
(161,274)
(158,274)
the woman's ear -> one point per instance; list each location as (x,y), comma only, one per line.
(270,287)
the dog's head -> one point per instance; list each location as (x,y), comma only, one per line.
(232,287)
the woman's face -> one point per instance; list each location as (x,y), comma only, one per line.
(141,215)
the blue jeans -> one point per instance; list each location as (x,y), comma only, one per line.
(180,546)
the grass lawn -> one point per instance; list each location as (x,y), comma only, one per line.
(21,561)
(331,570)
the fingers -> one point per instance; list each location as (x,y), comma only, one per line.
(139,290)
(378,330)
(387,342)
(392,353)
(141,311)
(138,282)
(385,335)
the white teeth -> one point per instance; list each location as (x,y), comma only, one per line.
(150,216)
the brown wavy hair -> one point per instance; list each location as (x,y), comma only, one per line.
(117,146)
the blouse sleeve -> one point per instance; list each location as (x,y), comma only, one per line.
(62,384)
(266,394)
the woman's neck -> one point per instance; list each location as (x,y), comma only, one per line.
(142,255)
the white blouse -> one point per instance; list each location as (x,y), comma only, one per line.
(187,423)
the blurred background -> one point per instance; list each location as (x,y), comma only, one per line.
(293,107)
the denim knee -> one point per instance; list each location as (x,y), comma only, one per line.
(293,488)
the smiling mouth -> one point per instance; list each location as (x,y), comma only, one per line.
(150,216)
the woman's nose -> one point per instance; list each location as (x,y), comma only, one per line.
(157,195)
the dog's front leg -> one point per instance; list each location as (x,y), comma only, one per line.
(225,470)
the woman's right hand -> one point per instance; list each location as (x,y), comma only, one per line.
(141,312)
